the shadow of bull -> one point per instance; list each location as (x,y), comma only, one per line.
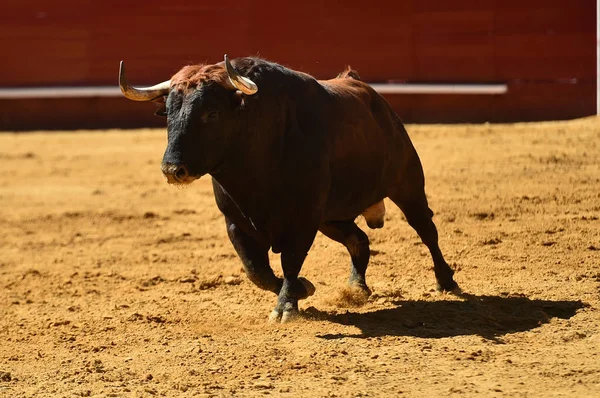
(487,316)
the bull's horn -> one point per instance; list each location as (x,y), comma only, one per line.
(141,94)
(240,82)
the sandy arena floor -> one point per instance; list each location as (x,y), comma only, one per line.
(114,284)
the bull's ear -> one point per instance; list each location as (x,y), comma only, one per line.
(238,99)
(161,111)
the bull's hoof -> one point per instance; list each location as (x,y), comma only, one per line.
(353,296)
(285,313)
(287,306)
(360,292)
(449,287)
(359,285)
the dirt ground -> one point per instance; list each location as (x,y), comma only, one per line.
(114,284)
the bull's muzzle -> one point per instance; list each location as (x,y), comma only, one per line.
(176,173)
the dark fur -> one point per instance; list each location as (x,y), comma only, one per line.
(299,156)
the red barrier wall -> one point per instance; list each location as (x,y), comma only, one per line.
(543,49)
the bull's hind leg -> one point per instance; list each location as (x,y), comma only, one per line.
(418,214)
(255,258)
(357,242)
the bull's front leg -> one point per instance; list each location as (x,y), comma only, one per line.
(294,288)
(255,258)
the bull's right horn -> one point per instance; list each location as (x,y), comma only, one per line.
(141,94)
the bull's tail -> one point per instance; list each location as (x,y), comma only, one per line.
(348,73)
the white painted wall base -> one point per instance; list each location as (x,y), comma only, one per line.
(110,91)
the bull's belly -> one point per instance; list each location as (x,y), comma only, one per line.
(358,187)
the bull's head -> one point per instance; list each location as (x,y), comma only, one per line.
(202,105)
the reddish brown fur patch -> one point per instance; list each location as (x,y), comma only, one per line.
(192,76)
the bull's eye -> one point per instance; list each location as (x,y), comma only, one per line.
(212,115)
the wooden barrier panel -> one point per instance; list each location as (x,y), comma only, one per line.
(544,50)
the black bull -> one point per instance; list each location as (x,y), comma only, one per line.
(290,156)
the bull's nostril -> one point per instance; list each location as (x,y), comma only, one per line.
(181,172)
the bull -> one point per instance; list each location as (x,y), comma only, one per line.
(290,155)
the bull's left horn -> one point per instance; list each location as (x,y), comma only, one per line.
(240,82)
(141,94)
